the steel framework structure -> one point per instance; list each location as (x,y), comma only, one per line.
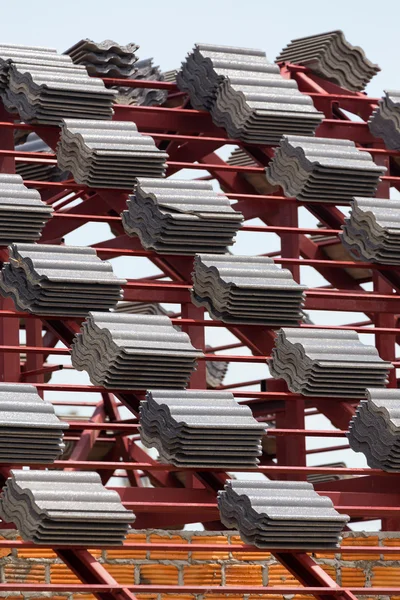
(186,496)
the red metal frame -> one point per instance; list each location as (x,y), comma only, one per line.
(191,140)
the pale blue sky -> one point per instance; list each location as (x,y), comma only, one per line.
(168,30)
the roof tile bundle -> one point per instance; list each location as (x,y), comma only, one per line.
(38,171)
(30,432)
(327,362)
(123,351)
(59,280)
(246,289)
(145,70)
(108,155)
(371,233)
(385,120)
(45,87)
(174,216)
(104,59)
(330,56)
(375,429)
(61,507)
(323,169)
(200,428)
(215,370)
(280,514)
(23,214)
(246,94)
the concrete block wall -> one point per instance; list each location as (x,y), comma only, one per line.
(195,568)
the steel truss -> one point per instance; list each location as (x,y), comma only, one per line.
(179,497)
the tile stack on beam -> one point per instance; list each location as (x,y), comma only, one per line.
(44,87)
(280,514)
(247,289)
(200,429)
(327,362)
(215,370)
(375,429)
(385,120)
(23,215)
(59,280)
(174,216)
(30,432)
(105,59)
(145,70)
(330,56)
(371,233)
(64,508)
(130,352)
(38,171)
(108,155)
(323,169)
(246,94)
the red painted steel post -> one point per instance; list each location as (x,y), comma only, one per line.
(290,450)
(33,329)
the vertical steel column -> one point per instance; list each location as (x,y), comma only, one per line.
(9,328)
(34,361)
(290,451)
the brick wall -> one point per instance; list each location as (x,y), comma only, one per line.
(186,567)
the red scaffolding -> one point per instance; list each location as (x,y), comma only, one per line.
(185,496)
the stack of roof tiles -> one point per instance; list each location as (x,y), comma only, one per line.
(326,362)
(200,428)
(280,514)
(375,429)
(60,507)
(246,94)
(123,351)
(385,120)
(174,216)
(140,96)
(215,370)
(38,171)
(45,87)
(30,432)
(104,59)
(23,215)
(371,233)
(247,289)
(108,155)
(330,56)
(323,169)
(59,280)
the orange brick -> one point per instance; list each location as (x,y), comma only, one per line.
(24,571)
(391,542)
(204,574)
(244,556)
(138,538)
(238,574)
(168,554)
(60,573)
(278,575)
(353,577)
(147,596)
(221,597)
(330,570)
(122,573)
(36,553)
(385,576)
(360,541)
(210,539)
(159,574)
(324,554)
(84,597)
(178,597)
